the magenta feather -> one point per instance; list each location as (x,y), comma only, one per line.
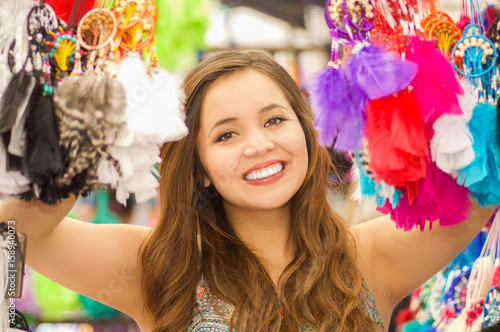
(379,73)
(439,198)
(336,121)
(436,85)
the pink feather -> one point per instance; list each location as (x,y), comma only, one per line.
(436,85)
(440,198)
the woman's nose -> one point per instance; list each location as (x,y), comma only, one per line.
(257,144)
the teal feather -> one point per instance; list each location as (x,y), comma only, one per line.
(482,176)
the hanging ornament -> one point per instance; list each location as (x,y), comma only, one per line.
(475,56)
(91,107)
(154,116)
(44,159)
(337,123)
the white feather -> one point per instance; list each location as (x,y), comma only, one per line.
(155,105)
(154,116)
(451,145)
(17,143)
(355,174)
(11,183)
(107,173)
(386,190)
(13,14)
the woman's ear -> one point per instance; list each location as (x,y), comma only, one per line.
(207,182)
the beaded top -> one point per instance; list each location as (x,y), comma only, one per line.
(211,312)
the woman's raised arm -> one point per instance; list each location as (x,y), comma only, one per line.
(98,261)
(395,262)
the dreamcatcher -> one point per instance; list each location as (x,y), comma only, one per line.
(96,97)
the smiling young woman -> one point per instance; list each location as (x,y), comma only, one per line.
(261,245)
(246,239)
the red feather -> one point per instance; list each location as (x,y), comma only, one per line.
(397,142)
(71,11)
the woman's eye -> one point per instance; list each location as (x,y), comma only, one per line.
(226,136)
(274,121)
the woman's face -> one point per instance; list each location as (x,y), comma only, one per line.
(251,143)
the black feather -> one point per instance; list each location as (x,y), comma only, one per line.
(44,157)
(494,328)
(14,163)
(14,96)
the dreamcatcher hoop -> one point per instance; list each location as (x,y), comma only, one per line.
(479,48)
(104,21)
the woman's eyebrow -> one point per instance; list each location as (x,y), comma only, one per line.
(262,110)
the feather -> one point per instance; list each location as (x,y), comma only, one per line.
(155,115)
(329,97)
(14,97)
(440,197)
(498,119)
(5,74)
(379,73)
(44,157)
(71,11)
(451,145)
(367,187)
(351,131)
(91,113)
(13,14)
(11,183)
(397,142)
(482,176)
(355,175)
(436,85)
(155,112)
(17,143)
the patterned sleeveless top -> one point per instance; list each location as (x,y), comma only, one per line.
(210,312)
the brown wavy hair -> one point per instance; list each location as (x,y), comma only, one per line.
(319,288)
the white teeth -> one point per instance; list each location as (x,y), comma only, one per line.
(264,173)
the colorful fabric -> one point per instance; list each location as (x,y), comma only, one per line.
(211,313)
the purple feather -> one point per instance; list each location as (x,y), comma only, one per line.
(379,73)
(329,94)
(351,131)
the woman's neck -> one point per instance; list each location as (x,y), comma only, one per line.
(268,233)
